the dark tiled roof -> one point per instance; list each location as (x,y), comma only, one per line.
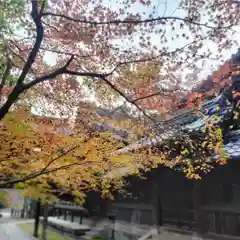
(232,145)
(214,110)
(232,149)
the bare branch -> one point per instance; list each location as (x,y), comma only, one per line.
(127,99)
(64,53)
(157,94)
(148,20)
(154,58)
(56,158)
(23,60)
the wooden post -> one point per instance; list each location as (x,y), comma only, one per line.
(45,222)
(112,219)
(22,213)
(31,209)
(37,217)
(58,213)
(65,214)
(72,216)
(80,220)
(197,207)
(23,210)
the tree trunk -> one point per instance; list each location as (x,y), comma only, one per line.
(45,222)
(12,98)
(37,216)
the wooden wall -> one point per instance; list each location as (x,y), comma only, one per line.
(210,205)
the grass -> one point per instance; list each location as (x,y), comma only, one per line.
(51,235)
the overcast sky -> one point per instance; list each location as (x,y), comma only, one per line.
(206,65)
(160,8)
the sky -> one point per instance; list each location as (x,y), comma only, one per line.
(171,8)
(161,8)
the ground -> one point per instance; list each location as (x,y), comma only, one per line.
(12,229)
(173,236)
(28,228)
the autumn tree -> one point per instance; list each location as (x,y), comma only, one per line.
(40,157)
(66,48)
(63,41)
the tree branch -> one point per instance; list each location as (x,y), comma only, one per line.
(63,70)
(159,93)
(56,158)
(18,89)
(44,2)
(22,59)
(39,37)
(64,53)
(5,75)
(148,20)
(39,173)
(127,99)
(164,54)
(21,87)
(102,76)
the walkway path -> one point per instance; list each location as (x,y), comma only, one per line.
(10,231)
(175,236)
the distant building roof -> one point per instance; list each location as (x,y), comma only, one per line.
(215,110)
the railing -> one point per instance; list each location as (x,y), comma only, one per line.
(219,222)
(134,213)
(179,218)
(17,213)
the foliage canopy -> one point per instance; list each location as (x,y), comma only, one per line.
(54,51)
